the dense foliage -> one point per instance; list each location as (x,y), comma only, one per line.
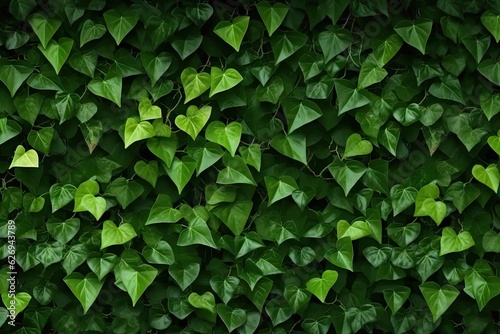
(300,166)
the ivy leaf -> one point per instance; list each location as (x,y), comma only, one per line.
(13,73)
(205,301)
(19,300)
(223,80)
(44,27)
(125,191)
(491,22)
(489,69)
(187,45)
(136,280)
(233,32)
(61,195)
(296,297)
(200,14)
(21,8)
(494,143)
(251,155)
(371,73)
(386,50)
(334,10)
(102,264)
(356,230)
(224,287)
(278,312)
(449,89)
(348,96)
(453,243)
(163,212)
(63,231)
(426,205)
(120,24)
(403,235)
(299,113)
(415,33)
(147,171)
(234,215)
(321,286)
(163,148)
(477,46)
(292,146)
(278,189)
(333,41)
(347,174)
(438,298)
(272,15)
(232,318)
(156,66)
(356,146)
(148,111)
(286,44)
(343,255)
(197,232)
(85,288)
(136,131)
(194,83)
(481,283)
(116,235)
(23,158)
(109,88)
(462,195)
(184,275)
(396,297)
(226,136)
(91,31)
(181,171)
(489,176)
(57,52)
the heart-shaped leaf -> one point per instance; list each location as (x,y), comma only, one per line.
(125,191)
(292,146)
(14,73)
(223,80)
(147,171)
(356,146)
(61,195)
(343,255)
(286,44)
(453,243)
(113,235)
(95,205)
(415,33)
(299,113)
(194,83)
(233,32)
(426,205)
(135,131)
(57,52)
(272,15)
(438,298)
(232,318)
(85,288)
(205,301)
(109,88)
(321,286)
(136,280)
(197,232)
(489,176)
(91,31)
(494,142)
(155,66)
(347,174)
(194,121)
(492,22)
(120,24)
(227,136)
(278,189)
(181,171)
(396,298)
(44,27)
(102,264)
(148,111)
(19,300)
(23,158)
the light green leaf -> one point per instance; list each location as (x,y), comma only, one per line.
(321,286)
(163,212)
(426,205)
(223,80)
(148,111)
(113,235)
(343,255)
(20,301)
(356,230)
(136,280)
(233,32)
(226,136)
(356,146)
(25,159)
(371,73)
(453,243)
(194,83)
(489,176)
(109,88)
(135,131)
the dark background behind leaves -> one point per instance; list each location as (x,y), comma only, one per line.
(342,177)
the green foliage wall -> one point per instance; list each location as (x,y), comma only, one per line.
(252,167)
